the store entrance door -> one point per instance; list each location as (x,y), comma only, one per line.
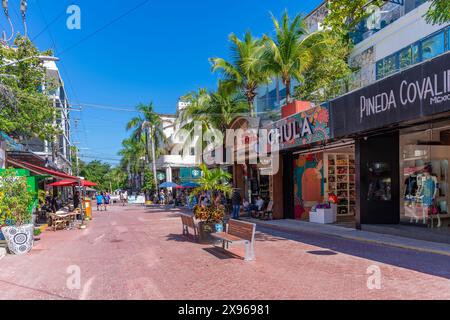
(377,165)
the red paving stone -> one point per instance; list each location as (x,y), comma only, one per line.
(137,253)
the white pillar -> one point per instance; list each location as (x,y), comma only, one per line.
(169,174)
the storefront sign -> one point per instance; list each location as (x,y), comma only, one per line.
(419,91)
(301,129)
(160,176)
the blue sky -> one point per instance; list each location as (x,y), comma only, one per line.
(156,53)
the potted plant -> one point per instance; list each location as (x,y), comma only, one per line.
(323,213)
(211,216)
(16,212)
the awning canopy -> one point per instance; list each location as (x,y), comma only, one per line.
(42,171)
(71,183)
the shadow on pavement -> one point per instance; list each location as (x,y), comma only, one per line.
(428,263)
(221,253)
(181,238)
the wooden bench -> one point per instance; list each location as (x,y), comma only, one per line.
(239,232)
(188,222)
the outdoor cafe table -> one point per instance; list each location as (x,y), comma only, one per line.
(69,216)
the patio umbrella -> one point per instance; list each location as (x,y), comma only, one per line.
(190,185)
(168,185)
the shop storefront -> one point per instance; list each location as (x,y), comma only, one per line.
(313,167)
(401,127)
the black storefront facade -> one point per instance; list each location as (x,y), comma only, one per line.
(401,128)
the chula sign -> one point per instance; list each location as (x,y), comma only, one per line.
(434,89)
(290,131)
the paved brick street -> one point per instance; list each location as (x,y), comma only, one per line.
(137,253)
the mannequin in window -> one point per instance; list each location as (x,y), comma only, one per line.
(428,192)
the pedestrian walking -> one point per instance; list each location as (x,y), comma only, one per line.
(99,198)
(236,200)
(106,200)
(123,197)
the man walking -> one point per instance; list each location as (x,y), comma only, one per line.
(236,200)
(99,198)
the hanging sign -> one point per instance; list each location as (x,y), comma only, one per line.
(303,128)
(420,91)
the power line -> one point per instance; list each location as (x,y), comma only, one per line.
(104,27)
(49,24)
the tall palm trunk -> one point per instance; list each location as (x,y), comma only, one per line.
(287,83)
(154,161)
(250,94)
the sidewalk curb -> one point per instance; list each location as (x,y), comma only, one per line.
(360,239)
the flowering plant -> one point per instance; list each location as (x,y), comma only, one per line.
(15,199)
(323,206)
(209,214)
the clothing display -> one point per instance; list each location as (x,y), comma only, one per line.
(428,191)
(411,186)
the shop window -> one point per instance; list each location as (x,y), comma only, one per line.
(425,194)
(433,46)
(379,174)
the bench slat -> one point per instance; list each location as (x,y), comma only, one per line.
(241,229)
(226,237)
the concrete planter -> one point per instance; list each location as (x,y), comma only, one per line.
(323,216)
(205,230)
(19,239)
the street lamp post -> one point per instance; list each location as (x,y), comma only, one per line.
(43,58)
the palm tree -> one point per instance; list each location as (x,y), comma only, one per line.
(214,110)
(245,72)
(215,180)
(148,124)
(288,54)
(132,154)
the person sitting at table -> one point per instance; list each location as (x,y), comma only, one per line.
(259,203)
(247,206)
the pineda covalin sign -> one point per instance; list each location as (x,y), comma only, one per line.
(422,90)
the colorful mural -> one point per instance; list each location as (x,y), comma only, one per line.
(302,128)
(308,183)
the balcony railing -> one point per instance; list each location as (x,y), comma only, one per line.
(383,17)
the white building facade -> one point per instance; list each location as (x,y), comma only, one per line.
(179,164)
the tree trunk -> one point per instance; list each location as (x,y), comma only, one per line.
(250,99)
(287,84)
(154,161)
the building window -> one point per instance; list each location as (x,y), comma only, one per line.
(192,152)
(390,65)
(380,71)
(415,53)
(405,58)
(433,46)
(422,50)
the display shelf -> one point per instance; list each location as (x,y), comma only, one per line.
(340,180)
